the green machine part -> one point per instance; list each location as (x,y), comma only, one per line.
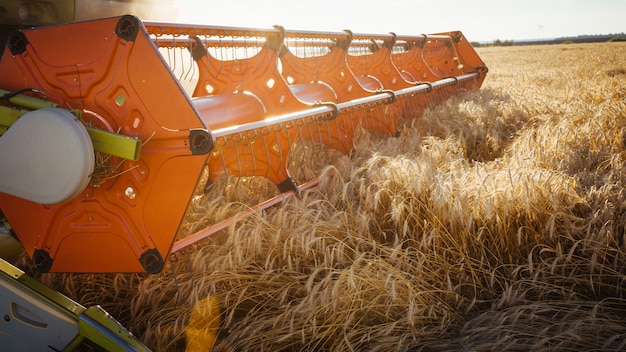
(103,141)
(37,318)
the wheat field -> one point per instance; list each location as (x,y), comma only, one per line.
(494,222)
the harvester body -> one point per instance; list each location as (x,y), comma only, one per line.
(147,114)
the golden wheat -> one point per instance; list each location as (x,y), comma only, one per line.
(496,221)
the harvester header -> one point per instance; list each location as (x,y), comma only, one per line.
(150,109)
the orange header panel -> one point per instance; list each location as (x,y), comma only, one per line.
(127,218)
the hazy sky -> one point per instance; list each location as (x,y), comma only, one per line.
(480,20)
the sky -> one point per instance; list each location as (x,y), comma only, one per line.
(479,20)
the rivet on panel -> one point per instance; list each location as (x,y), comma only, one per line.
(130,193)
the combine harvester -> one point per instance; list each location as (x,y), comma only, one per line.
(108,127)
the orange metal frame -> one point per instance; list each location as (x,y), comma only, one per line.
(437,58)
(327,63)
(109,69)
(246,151)
(369,57)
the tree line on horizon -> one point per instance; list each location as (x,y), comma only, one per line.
(585,38)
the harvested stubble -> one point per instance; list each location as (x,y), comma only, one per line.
(494,222)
